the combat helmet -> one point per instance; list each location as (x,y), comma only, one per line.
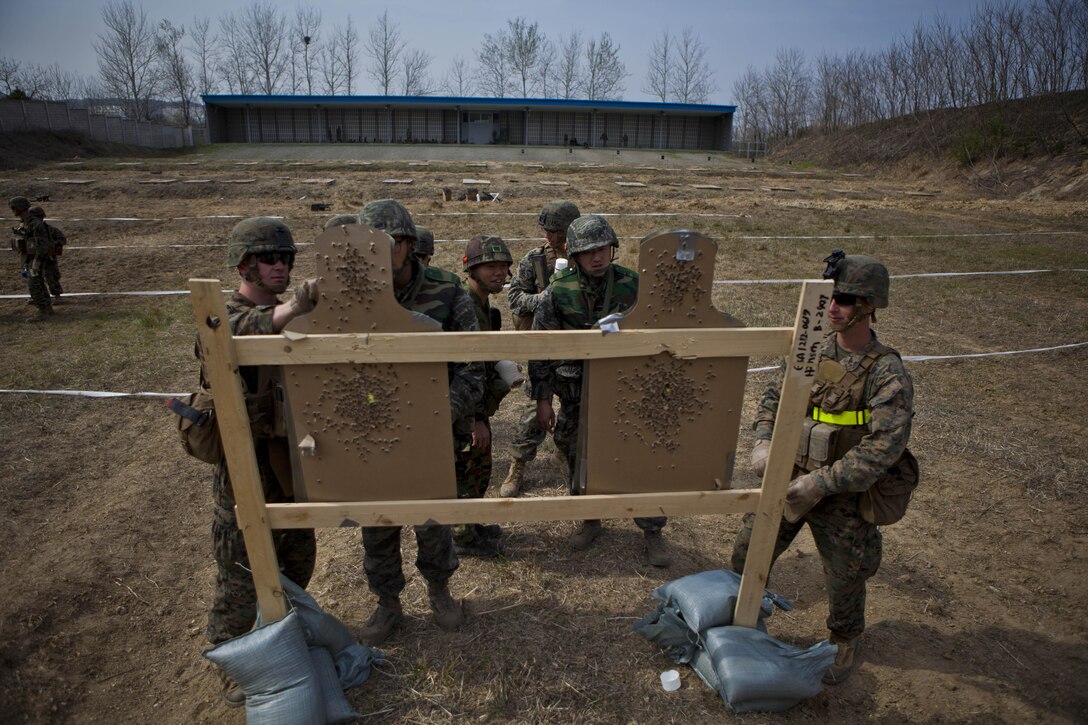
(390,216)
(37,211)
(341,219)
(424,242)
(858,274)
(484,248)
(19,204)
(556,216)
(589,232)
(256,235)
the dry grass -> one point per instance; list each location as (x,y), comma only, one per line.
(977,610)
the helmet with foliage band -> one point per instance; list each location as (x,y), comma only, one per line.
(257,235)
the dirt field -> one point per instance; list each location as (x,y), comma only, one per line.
(977,613)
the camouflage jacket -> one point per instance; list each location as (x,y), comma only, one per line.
(530,280)
(36,239)
(889,393)
(56,236)
(439,295)
(494,387)
(574,301)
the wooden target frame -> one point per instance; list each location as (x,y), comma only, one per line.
(225,353)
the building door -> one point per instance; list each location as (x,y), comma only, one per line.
(479,128)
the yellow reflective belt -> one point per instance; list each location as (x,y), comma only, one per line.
(847,417)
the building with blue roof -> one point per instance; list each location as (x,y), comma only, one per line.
(454,120)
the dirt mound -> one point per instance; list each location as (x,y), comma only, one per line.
(1026,147)
(24,149)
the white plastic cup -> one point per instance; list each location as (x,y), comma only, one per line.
(509,372)
(561,264)
(670,680)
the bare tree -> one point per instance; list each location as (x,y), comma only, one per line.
(568,66)
(788,88)
(605,71)
(750,93)
(545,71)
(10,76)
(233,62)
(383,47)
(348,38)
(693,80)
(203,47)
(331,67)
(265,33)
(305,27)
(127,57)
(417,81)
(659,68)
(458,80)
(493,72)
(525,43)
(177,75)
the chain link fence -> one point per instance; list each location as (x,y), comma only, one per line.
(57,116)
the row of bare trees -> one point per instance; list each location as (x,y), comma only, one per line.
(1001,52)
(262,49)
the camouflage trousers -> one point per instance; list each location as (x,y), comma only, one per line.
(850,551)
(528,437)
(234,603)
(473,467)
(51,273)
(39,293)
(435,559)
(566,440)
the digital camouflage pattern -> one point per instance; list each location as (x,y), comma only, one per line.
(256,235)
(382,562)
(424,242)
(850,547)
(574,301)
(390,216)
(557,215)
(484,248)
(51,269)
(234,602)
(341,220)
(860,275)
(587,233)
(531,278)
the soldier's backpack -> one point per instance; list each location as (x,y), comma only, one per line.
(886,501)
(198,428)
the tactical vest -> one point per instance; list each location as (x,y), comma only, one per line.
(542,262)
(838,414)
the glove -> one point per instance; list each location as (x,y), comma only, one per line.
(305,299)
(803,494)
(760,454)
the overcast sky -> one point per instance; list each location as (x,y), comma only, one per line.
(736,33)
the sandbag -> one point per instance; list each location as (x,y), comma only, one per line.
(665,628)
(707,599)
(337,707)
(757,672)
(271,664)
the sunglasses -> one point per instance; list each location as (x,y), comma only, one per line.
(844,299)
(271,258)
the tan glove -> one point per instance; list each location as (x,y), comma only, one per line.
(760,453)
(305,299)
(802,495)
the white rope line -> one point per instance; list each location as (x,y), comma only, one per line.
(916,236)
(912,358)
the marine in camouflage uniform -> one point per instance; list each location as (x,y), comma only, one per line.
(263,251)
(51,267)
(592,288)
(487,262)
(34,247)
(865,394)
(534,273)
(440,296)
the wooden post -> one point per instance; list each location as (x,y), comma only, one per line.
(221,366)
(809,331)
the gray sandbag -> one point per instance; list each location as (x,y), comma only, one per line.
(664,627)
(353,664)
(757,672)
(704,667)
(271,664)
(707,599)
(321,628)
(337,707)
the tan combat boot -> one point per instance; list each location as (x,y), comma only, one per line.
(512,485)
(448,613)
(382,621)
(586,534)
(232,694)
(657,551)
(846,660)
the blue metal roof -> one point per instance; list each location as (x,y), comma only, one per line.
(464,102)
